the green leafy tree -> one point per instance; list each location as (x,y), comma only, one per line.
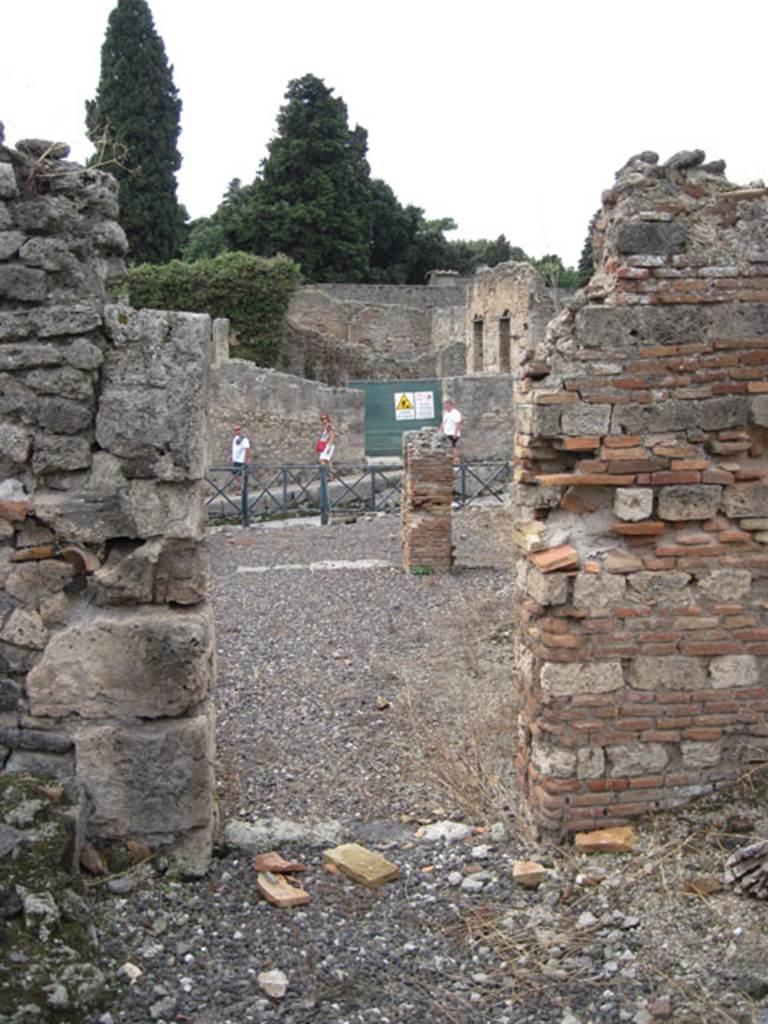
(134,122)
(313,200)
(252,292)
(555,273)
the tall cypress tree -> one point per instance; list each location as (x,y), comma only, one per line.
(134,120)
(314,196)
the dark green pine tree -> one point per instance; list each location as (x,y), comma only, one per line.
(134,123)
(586,267)
(314,196)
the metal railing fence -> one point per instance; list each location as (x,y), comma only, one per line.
(264,491)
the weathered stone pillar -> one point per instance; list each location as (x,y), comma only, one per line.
(642,507)
(106,637)
(427,497)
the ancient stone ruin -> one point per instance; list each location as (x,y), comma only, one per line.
(427,497)
(641,507)
(106,638)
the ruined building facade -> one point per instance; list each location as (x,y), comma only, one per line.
(641,507)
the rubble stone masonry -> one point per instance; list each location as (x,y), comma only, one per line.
(427,497)
(106,638)
(641,507)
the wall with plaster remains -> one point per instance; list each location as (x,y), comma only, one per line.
(508,309)
(642,507)
(106,637)
(342,332)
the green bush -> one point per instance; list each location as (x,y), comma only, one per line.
(252,292)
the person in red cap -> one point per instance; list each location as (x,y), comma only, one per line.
(241,454)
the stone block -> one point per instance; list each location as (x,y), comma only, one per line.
(652,237)
(603,591)
(637,758)
(150,779)
(57,321)
(700,754)
(15,442)
(547,759)
(546,588)
(722,585)
(529,873)
(744,500)
(139,508)
(732,671)
(183,573)
(671,672)
(606,840)
(55,453)
(32,582)
(9,189)
(128,575)
(689,501)
(84,355)
(153,406)
(63,415)
(562,680)
(10,241)
(22,284)
(362,865)
(633,503)
(586,419)
(143,663)
(590,763)
(29,356)
(759,410)
(665,588)
(24,628)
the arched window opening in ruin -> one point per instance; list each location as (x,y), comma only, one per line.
(505,363)
(477,343)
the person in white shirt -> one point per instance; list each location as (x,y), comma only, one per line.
(451,427)
(241,454)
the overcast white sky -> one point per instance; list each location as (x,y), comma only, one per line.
(509,117)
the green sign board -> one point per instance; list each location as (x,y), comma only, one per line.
(394,406)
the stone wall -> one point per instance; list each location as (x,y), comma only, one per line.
(487,406)
(642,507)
(280,414)
(106,638)
(507,313)
(342,332)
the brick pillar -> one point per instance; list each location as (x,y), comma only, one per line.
(427,497)
(642,508)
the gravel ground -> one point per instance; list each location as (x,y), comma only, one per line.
(382,703)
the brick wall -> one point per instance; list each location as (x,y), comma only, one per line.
(427,497)
(642,508)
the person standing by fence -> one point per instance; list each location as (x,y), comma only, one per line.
(326,443)
(240,456)
(451,427)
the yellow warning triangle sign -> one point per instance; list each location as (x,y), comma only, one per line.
(404,403)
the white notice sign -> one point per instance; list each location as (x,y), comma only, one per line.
(425,404)
(404,405)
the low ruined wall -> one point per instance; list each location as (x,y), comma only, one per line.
(280,414)
(642,508)
(106,637)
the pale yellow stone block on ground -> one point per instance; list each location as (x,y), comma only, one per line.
(606,840)
(362,865)
(529,873)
